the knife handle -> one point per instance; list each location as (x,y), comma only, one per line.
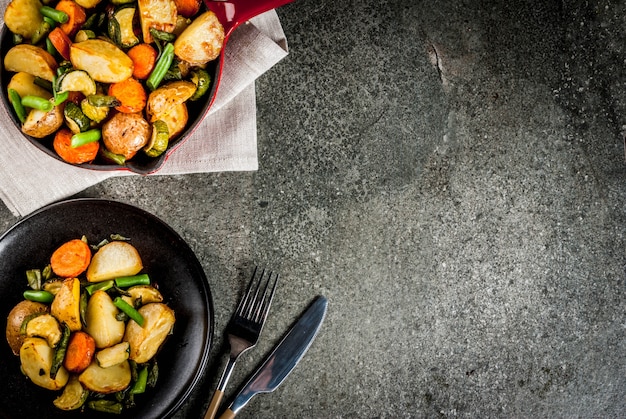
(214,405)
(228,414)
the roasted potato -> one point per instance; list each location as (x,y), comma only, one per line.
(17,315)
(36,358)
(40,124)
(24,84)
(145,341)
(112,260)
(103,61)
(158,14)
(126,134)
(32,60)
(106,380)
(101,320)
(112,355)
(88,4)
(23,17)
(143,293)
(201,41)
(163,99)
(66,304)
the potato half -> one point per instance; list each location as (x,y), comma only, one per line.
(113,260)
(36,358)
(145,341)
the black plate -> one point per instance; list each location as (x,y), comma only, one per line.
(167,259)
(141,163)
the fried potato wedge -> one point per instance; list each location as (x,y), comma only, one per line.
(32,60)
(102,60)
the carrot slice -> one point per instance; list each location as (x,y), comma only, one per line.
(71,259)
(131,95)
(144,58)
(187,8)
(80,352)
(62,144)
(61,42)
(76,14)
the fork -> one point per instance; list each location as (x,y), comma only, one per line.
(244,328)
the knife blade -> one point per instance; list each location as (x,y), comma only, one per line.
(283,358)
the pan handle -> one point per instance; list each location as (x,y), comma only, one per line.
(232,13)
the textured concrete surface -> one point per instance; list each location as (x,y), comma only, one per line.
(450,174)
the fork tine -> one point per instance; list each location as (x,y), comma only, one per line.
(266,300)
(243,306)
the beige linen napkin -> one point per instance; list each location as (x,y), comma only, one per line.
(225,141)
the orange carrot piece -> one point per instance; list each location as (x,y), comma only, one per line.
(80,352)
(61,42)
(144,58)
(131,95)
(83,154)
(187,8)
(76,14)
(71,259)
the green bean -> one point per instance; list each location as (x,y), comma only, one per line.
(129,281)
(42,32)
(54,14)
(61,97)
(162,35)
(107,406)
(39,296)
(129,310)
(37,102)
(16,101)
(86,137)
(140,385)
(161,67)
(115,158)
(59,353)
(104,285)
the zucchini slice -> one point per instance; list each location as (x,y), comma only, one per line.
(202,80)
(121,27)
(159,139)
(73,397)
(75,119)
(77,81)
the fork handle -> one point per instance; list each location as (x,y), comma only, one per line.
(228,414)
(216,400)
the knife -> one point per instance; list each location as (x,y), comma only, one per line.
(283,358)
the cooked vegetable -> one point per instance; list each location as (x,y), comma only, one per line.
(88,4)
(106,380)
(39,296)
(40,124)
(157,14)
(126,134)
(75,155)
(36,358)
(53,286)
(36,102)
(129,310)
(140,384)
(145,341)
(25,85)
(143,294)
(83,138)
(121,28)
(16,102)
(76,16)
(77,81)
(59,352)
(45,326)
(112,355)
(23,310)
(104,285)
(66,304)
(176,119)
(202,80)
(71,258)
(188,8)
(58,16)
(76,120)
(80,352)
(102,323)
(103,61)
(144,58)
(168,96)
(61,42)
(106,406)
(73,397)
(32,60)
(161,67)
(22,17)
(129,281)
(131,95)
(158,140)
(201,41)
